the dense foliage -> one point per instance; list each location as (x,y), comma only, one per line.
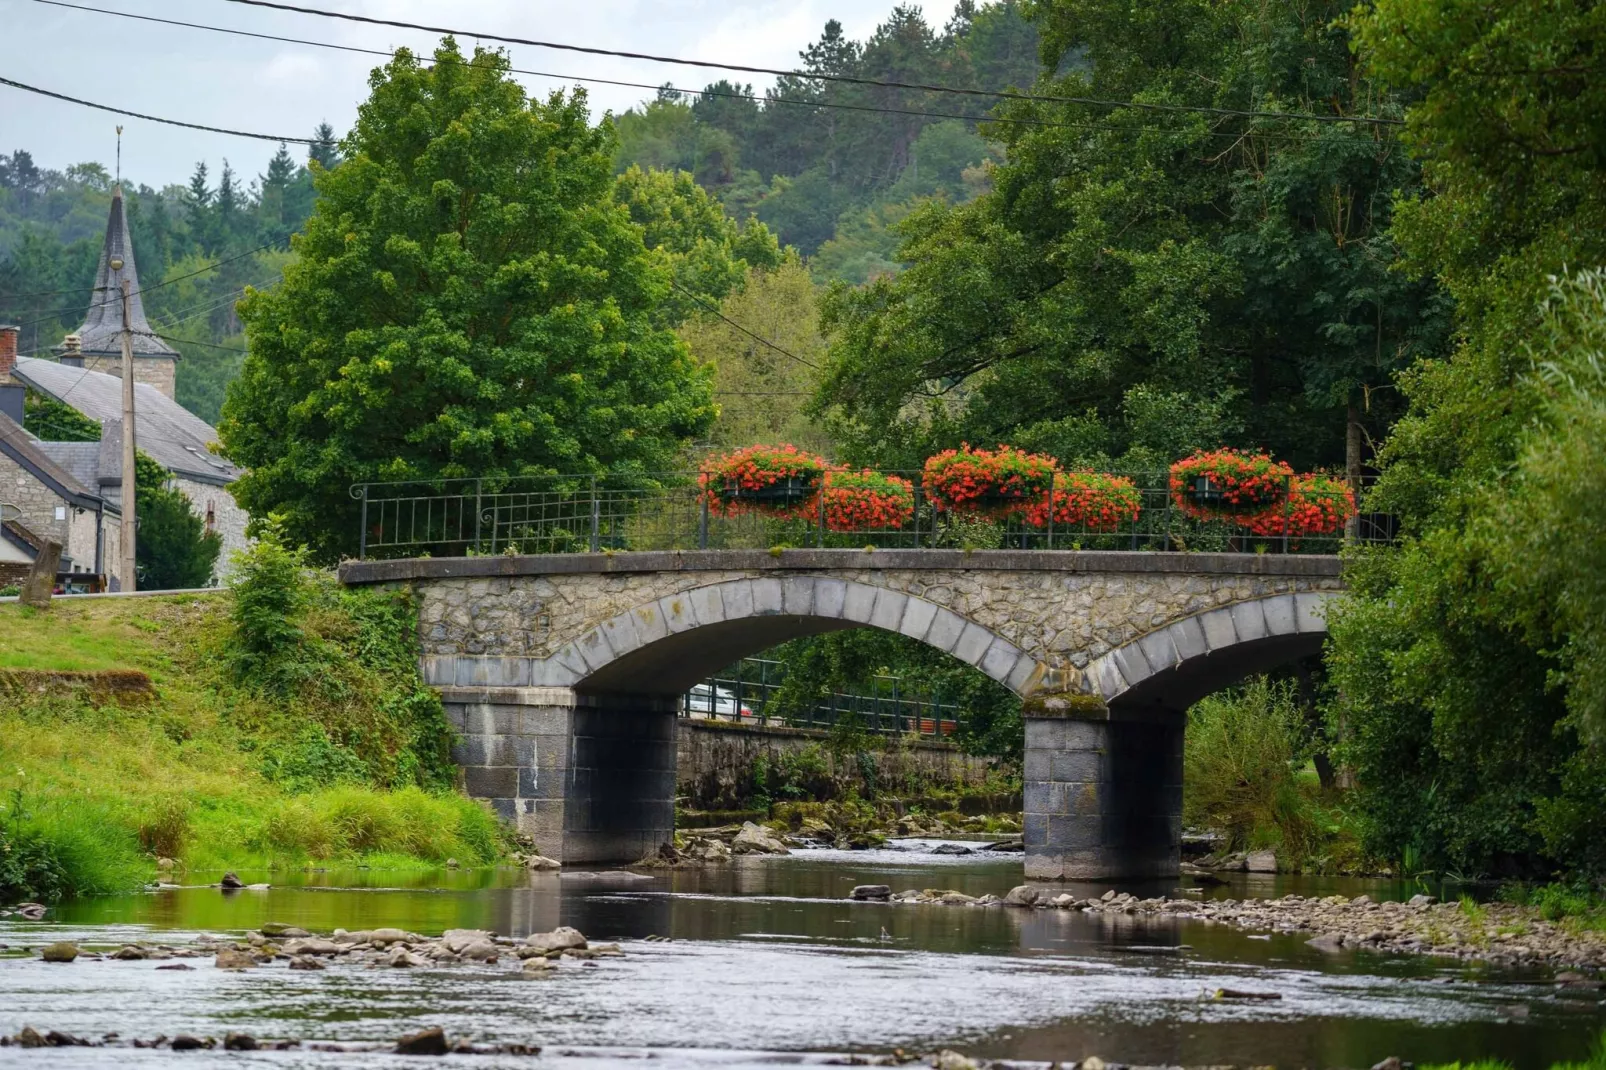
(1469,657)
(451,311)
(1228,274)
(174,551)
(815,161)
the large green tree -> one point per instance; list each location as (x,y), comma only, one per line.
(468,299)
(1468,656)
(1240,265)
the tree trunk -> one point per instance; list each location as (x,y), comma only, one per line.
(1352,463)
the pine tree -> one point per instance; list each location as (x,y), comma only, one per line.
(324,151)
(198,207)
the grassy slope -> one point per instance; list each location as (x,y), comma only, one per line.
(177,776)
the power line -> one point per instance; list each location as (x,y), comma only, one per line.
(715,310)
(712,93)
(842,78)
(158,119)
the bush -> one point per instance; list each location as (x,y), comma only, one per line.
(355,821)
(65,848)
(1242,753)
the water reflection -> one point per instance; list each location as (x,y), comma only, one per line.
(769,956)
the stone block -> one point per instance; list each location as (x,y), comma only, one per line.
(1281,616)
(1188,636)
(829,598)
(1218,628)
(917,617)
(766,597)
(491,719)
(1310,611)
(1020,677)
(738,599)
(1043,865)
(797,596)
(506,809)
(593,649)
(678,613)
(471,750)
(999,661)
(859,603)
(1159,651)
(946,628)
(651,624)
(544,721)
(509,750)
(621,634)
(973,643)
(707,604)
(1069,835)
(1076,767)
(1036,764)
(887,613)
(481,782)
(1249,620)
(1034,829)
(1133,665)
(1107,676)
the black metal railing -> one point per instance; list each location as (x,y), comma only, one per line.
(669,511)
(749,693)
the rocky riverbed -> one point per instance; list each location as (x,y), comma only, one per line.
(1498,933)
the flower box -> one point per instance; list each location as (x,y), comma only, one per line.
(1317,504)
(1228,484)
(866,500)
(772,479)
(1088,501)
(996,482)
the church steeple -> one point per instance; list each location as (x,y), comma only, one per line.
(101,335)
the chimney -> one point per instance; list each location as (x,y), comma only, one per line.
(8,350)
(72,351)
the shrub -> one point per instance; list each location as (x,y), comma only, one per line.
(65,848)
(1000,481)
(1225,483)
(1241,754)
(269,597)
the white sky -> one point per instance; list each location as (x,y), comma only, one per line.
(284,89)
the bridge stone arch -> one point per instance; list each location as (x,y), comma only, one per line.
(561,673)
(674,641)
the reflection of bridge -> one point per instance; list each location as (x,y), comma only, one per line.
(562,672)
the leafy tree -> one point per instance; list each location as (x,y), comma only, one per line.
(709,254)
(762,388)
(1466,656)
(173,551)
(1242,262)
(53,421)
(452,311)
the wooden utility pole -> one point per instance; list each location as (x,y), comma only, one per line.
(130,521)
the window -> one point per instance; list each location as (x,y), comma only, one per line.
(61,512)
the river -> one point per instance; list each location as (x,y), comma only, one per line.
(768,962)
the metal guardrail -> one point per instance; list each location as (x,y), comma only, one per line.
(748,696)
(668,511)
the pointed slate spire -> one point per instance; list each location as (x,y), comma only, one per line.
(101,332)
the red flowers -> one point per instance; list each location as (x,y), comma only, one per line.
(1218,484)
(782,480)
(1092,501)
(863,500)
(999,482)
(1317,504)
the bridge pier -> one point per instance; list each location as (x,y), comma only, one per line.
(1103,791)
(588,778)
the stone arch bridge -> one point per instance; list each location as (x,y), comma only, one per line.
(562,672)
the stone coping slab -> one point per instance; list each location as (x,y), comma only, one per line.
(1139,561)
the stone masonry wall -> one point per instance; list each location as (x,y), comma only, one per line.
(1063,618)
(229,520)
(714,761)
(160,372)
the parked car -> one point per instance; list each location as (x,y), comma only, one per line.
(706,701)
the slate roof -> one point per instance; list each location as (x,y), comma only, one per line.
(102,329)
(173,435)
(81,460)
(25,450)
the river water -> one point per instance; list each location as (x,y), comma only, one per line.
(768,962)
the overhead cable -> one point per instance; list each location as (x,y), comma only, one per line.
(158,119)
(813,76)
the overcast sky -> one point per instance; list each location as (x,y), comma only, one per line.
(286,89)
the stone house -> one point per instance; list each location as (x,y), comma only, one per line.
(55,490)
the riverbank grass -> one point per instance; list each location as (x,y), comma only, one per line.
(328,749)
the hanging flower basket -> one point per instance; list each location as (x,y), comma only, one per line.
(993,482)
(771,479)
(1228,484)
(1088,501)
(858,501)
(1317,504)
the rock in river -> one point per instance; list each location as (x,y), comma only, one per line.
(1021,896)
(424,1042)
(560,939)
(872,891)
(757,840)
(64,951)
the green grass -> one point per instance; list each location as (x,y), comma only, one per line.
(344,765)
(1596,1060)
